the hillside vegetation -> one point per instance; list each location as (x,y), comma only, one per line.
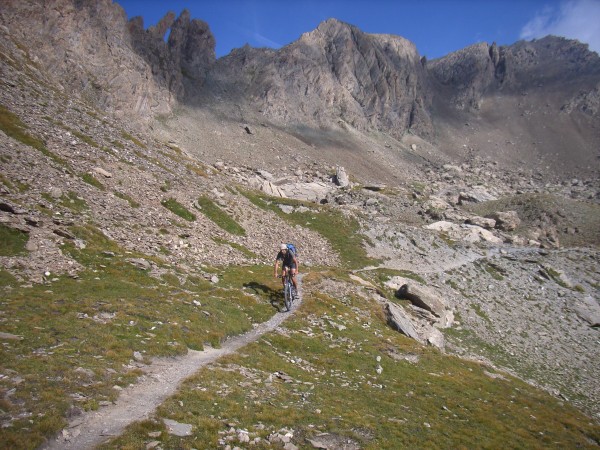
(449,300)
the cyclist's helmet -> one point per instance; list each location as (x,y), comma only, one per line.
(283,247)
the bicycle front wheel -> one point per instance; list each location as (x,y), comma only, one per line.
(287,295)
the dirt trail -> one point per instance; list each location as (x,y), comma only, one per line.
(161,380)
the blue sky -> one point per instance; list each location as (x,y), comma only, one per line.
(437,27)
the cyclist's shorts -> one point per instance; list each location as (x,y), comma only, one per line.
(292,266)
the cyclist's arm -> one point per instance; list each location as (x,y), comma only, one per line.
(276,267)
(297,264)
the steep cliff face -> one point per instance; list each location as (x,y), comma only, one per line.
(532,103)
(84,45)
(90,48)
(335,73)
(186,56)
(541,96)
(555,66)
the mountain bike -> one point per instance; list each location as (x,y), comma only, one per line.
(288,291)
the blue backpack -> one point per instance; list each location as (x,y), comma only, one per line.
(292,249)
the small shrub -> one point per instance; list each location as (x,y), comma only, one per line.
(194,168)
(165,187)
(177,208)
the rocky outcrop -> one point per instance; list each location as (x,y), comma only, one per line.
(91,49)
(506,220)
(335,72)
(399,321)
(84,46)
(184,58)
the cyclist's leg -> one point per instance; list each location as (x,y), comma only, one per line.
(293,270)
(284,270)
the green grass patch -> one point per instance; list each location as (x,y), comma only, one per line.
(247,253)
(319,376)
(197,169)
(7,279)
(342,232)
(85,138)
(480,312)
(92,180)
(117,144)
(133,139)
(14,128)
(219,217)
(177,208)
(69,200)
(13,185)
(495,271)
(12,241)
(96,322)
(129,200)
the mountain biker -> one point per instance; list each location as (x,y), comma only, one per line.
(288,262)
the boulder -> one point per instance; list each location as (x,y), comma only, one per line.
(434,337)
(270,189)
(64,233)
(287,209)
(476,195)
(140,263)
(266,175)
(420,296)
(399,321)
(482,222)
(506,221)
(589,310)
(316,191)
(56,193)
(341,177)
(436,207)
(102,172)
(178,429)
(468,233)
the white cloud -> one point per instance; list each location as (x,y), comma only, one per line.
(574,19)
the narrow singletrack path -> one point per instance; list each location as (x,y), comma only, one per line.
(161,380)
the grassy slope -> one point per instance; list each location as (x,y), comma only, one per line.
(96,323)
(437,402)
(67,357)
(342,232)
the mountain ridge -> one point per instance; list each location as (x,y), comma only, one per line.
(334,77)
(141,209)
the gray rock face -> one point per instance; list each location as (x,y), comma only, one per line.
(421,297)
(341,177)
(335,72)
(589,310)
(506,220)
(65,36)
(128,69)
(400,321)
